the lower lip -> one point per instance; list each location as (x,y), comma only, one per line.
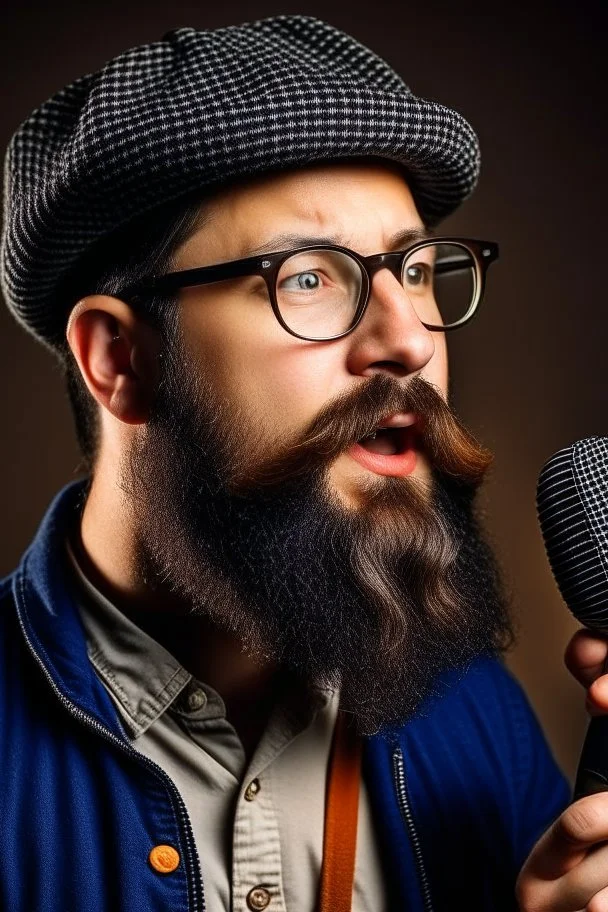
(398,464)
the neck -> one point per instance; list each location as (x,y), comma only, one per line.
(106,548)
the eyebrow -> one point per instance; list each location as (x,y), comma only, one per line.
(287,241)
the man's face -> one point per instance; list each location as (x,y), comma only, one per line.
(280,382)
(248,499)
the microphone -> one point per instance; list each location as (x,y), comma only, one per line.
(572,504)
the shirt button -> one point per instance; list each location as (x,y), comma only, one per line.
(258,898)
(196,699)
(164,859)
(252,790)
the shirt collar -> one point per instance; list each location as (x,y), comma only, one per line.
(141,675)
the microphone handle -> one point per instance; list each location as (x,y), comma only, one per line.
(592,774)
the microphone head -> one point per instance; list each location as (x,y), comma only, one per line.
(572,504)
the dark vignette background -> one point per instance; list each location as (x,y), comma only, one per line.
(528,375)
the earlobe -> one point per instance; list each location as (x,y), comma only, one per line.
(110,347)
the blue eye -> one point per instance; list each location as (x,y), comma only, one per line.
(305,281)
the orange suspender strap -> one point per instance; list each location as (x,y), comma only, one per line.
(342,805)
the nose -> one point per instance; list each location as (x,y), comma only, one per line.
(390,337)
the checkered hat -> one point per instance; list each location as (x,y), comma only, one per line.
(197,110)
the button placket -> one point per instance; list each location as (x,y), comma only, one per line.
(256,860)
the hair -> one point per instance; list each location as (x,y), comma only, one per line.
(145,246)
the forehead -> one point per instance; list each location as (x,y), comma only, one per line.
(360,205)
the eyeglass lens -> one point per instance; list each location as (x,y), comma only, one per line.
(318,291)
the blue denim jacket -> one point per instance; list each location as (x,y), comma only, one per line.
(459,794)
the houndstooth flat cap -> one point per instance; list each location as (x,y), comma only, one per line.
(199,109)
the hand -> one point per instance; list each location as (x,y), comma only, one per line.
(567,870)
(585,657)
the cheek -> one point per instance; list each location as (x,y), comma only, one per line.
(282,390)
(278,382)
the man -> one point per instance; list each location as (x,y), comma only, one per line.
(253,660)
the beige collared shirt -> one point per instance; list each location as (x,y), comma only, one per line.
(258,827)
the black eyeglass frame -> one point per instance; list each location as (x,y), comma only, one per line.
(269,265)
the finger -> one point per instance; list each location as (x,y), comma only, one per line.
(568,840)
(597,696)
(575,890)
(599,903)
(579,888)
(585,656)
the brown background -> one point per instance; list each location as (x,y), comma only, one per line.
(528,374)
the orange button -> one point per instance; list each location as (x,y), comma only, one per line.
(164,859)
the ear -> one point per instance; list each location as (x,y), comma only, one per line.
(117,354)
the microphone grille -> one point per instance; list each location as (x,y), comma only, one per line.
(572,503)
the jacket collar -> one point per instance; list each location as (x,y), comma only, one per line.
(49,616)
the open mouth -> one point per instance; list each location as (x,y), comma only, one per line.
(388,441)
(391,448)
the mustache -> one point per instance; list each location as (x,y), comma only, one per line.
(450,446)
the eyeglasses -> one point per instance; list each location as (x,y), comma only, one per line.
(321,292)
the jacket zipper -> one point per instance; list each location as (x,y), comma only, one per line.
(193,870)
(408,819)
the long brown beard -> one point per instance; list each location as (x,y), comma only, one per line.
(378,600)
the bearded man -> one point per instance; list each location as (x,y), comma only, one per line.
(253,659)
